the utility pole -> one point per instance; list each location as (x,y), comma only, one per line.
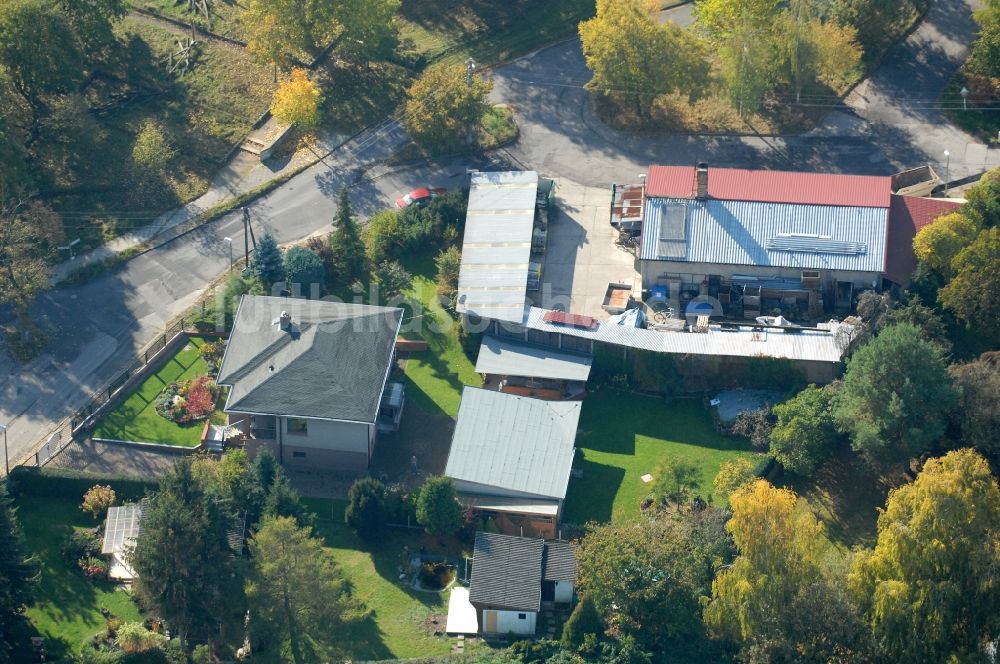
(246,237)
(229,241)
(6,460)
(947,170)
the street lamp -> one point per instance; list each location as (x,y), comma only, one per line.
(6,461)
(947,170)
(229,241)
(965,98)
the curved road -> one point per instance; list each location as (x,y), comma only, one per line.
(95,328)
(886,124)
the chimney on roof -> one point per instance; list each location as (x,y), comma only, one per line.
(284,320)
(701,181)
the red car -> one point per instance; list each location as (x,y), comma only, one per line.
(420,197)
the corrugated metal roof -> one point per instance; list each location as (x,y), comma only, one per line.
(907,216)
(507,572)
(748,233)
(560,561)
(516,505)
(737,184)
(514,443)
(496,246)
(804,345)
(504,357)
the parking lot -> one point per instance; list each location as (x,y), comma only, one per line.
(581,257)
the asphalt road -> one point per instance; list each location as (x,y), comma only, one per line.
(96,328)
(888,124)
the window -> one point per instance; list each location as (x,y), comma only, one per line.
(298,455)
(297,426)
(522,616)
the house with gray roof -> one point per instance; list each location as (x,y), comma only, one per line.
(513,576)
(306,378)
(511,457)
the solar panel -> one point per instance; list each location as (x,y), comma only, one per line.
(121,528)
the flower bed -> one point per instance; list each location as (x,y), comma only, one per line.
(189,401)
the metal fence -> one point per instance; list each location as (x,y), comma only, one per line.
(64,433)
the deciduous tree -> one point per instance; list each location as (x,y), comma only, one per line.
(634,58)
(937,244)
(297,101)
(895,395)
(280,31)
(369,28)
(931,589)
(805,433)
(732,475)
(978,411)
(299,596)
(972,294)
(98,500)
(646,578)
(777,547)
(442,108)
(438,509)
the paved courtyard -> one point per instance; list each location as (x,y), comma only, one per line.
(581,257)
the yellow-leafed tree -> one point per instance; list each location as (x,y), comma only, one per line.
(930,589)
(443,107)
(297,101)
(938,243)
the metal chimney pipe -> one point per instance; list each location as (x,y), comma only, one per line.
(701,181)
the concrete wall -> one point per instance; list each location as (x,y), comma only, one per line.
(494,621)
(564,592)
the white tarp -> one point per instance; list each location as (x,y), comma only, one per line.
(461,614)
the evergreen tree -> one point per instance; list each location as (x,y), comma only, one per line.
(182,557)
(438,509)
(18,571)
(347,244)
(267,263)
(365,511)
(283,500)
(305,268)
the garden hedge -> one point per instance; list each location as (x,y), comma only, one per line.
(68,483)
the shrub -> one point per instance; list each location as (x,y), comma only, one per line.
(732,475)
(187,402)
(583,621)
(384,237)
(365,511)
(755,425)
(392,279)
(94,567)
(304,267)
(398,505)
(211,352)
(97,500)
(449,264)
(438,510)
(83,543)
(134,637)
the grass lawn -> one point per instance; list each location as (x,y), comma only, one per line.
(137,420)
(623,436)
(488,31)
(435,377)
(67,609)
(396,628)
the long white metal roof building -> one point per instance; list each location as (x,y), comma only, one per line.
(496,249)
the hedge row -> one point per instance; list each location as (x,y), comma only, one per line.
(72,484)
